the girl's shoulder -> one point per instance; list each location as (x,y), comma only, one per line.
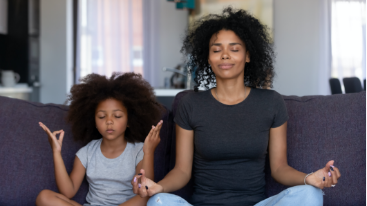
(137,145)
(92,145)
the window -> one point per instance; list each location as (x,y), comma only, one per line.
(348,39)
(109,37)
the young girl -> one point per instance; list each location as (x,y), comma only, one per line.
(114,116)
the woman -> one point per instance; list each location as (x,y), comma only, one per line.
(224,132)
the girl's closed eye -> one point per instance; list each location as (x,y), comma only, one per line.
(101,117)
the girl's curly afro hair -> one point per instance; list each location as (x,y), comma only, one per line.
(131,89)
(258,73)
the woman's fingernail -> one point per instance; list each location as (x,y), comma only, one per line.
(139,174)
(139,185)
(329,173)
(134,179)
(331,168)
(323,179)
(146,187)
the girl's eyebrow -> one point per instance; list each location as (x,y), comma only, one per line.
(113,110)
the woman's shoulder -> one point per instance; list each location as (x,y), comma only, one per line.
(192,96)
(266,93)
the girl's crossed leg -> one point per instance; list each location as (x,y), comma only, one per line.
(48,198)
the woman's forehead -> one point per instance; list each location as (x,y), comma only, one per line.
(225,37)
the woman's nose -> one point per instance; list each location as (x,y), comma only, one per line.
(225,56)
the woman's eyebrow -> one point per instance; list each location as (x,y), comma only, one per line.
(219,44)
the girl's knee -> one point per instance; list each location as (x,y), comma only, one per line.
(43,197)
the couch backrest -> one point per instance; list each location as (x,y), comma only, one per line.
(320,128)
(26,163)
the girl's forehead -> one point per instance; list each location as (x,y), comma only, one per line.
(111,104)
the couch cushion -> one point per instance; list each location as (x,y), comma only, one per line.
(27,161)
(320,128)
(26,157)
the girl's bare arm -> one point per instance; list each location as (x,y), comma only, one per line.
(67,185)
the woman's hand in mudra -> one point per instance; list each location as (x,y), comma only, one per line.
(144,186)
(325,177)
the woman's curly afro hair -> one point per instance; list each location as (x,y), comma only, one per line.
(129,88)
(259,71)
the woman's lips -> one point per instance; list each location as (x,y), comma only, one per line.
(225,66)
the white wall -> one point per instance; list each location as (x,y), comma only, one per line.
(56,50)
(172,25)
(300,46)
(300,40)
(3,16)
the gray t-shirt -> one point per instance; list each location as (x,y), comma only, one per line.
(230,144)
(109,179)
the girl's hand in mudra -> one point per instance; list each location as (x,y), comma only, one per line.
(55,143)
(325,177)
(144,186)
(152,140)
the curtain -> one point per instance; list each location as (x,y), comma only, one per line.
(348,39)
(109,37)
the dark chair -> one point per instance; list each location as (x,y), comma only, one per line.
(352,85)
(335,86)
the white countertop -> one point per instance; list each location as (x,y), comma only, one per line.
(167,92)
(18,88)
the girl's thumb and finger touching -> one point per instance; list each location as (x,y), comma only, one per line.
(62,135)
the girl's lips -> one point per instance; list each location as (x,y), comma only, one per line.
(110,131)
(226,66)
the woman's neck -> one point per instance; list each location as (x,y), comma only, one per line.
(230,91)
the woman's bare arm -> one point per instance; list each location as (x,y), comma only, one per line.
(285,174)
(180,175)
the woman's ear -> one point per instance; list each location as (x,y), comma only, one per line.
(247,57)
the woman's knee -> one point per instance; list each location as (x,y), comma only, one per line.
(311,194)
(312,191)
(162,199)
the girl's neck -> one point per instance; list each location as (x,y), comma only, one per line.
(113,146)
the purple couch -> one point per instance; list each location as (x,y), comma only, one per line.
(320,128)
